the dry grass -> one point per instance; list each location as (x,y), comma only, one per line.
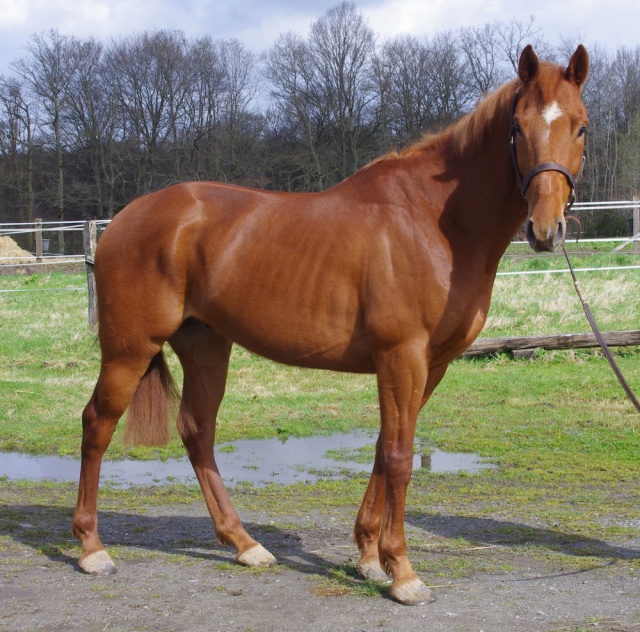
(549,304)
(11,253)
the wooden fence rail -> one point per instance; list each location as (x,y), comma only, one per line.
(483,346)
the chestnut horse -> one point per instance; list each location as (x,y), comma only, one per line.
(389,272)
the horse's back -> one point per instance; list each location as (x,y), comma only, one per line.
(281,274)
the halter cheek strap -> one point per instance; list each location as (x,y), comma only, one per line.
(545,166)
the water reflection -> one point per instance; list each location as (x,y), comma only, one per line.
(258,461)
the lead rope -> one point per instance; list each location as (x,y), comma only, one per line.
(599,337)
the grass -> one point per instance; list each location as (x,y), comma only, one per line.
(548,303)
(490,406)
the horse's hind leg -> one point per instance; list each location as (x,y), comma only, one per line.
(205,359)
(116,384)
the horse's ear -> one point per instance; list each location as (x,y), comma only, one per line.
(578,67)
(528,66)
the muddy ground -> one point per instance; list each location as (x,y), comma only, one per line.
(172,576)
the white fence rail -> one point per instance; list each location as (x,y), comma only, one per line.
(42,255)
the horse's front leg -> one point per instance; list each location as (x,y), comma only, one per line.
(402,378)
(367,528)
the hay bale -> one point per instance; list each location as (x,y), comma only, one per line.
(11,253)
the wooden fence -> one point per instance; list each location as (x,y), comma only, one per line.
(522,346)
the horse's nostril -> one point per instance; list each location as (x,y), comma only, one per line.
(559,236)
(531,238)
(550,241)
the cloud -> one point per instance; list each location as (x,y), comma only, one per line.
(258,23)
(588,20)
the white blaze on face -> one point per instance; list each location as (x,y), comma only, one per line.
(550,113)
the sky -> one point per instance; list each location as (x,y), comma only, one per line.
(257,23)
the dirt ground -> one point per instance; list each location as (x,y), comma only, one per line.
(173,577)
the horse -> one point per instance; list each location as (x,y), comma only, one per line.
(390,272)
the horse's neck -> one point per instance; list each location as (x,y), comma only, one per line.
(468,189)
(485,205)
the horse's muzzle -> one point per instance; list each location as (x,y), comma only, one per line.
(548,240)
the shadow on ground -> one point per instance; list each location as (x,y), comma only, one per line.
(487,531)
(47,529)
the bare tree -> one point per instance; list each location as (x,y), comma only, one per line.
(626,70)
(147,79)
(238,65)
(599,95)
(298,94)
(87,120)
(342,47)
(626,73)
(450,96)
(18,119)
(204,108)
(513,36)
(482,49)
(325,87)
(46,73)
(406,63)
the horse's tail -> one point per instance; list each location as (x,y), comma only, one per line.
(148,416)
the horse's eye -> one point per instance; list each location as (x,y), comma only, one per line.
(517,129)
(582,131)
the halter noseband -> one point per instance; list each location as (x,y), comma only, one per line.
(545,166)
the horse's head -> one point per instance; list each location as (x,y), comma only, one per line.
(549,121)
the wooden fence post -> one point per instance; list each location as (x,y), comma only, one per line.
(90,240)
(636,223)
(38,223)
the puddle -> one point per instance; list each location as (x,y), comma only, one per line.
(258,461)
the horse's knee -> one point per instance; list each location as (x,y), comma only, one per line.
(398,464)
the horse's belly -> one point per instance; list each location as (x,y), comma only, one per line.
(295,335)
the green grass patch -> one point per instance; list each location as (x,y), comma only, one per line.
(344,580)
(548,303)
(49,363)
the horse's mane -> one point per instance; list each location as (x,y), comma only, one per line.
(468,132)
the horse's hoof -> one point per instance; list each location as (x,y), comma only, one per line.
(411,593)
(373,571)
(98,563)
(256,556)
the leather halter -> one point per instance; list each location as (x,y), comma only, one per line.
(545,166)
